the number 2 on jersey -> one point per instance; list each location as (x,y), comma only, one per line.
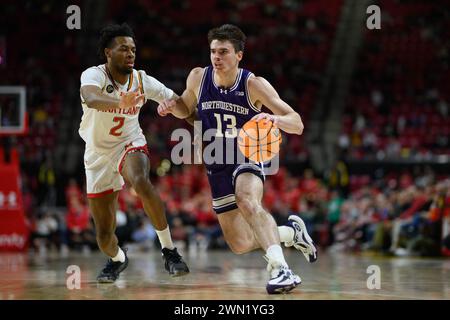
(115,131)
(231,131)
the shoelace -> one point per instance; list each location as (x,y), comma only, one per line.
(109,266)
(282,269)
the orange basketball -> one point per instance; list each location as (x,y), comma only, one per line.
(259,141)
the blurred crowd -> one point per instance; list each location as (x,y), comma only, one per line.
(398,105)
(399,214)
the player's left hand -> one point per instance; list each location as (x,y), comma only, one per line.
(266,117)
(165,107)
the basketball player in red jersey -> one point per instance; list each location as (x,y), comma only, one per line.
(112,95)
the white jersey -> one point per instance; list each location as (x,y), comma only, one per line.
(113,128)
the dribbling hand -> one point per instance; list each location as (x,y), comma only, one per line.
(266,117)
(165,107)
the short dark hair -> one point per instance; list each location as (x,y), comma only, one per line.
(228,32)
(108,33)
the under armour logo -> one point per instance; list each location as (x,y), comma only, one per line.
(224,91)
(8,199)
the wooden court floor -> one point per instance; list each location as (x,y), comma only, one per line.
(222,275)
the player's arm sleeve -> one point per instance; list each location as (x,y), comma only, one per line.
(93,80)
(155,90)
(93,77)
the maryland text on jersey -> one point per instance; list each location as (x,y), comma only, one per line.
(131,111)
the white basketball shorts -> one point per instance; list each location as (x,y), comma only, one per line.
(103,171)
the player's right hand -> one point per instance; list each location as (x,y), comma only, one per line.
(131,99)
(165,107)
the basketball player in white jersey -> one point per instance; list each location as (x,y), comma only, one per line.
(112,95)
(237,189)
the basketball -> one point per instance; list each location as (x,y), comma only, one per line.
(259,141)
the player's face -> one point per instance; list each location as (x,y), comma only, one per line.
(223,56)
(122,54)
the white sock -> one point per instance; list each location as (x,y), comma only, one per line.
(286,233)
(275,253)
(165,239)
(119,257)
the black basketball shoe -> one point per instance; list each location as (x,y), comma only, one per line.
(112,269)
(174,263)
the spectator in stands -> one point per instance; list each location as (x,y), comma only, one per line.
(77,222)
(44,235)
(144,235)
(334,213)
(47,183)
(73,190)
(339,178)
